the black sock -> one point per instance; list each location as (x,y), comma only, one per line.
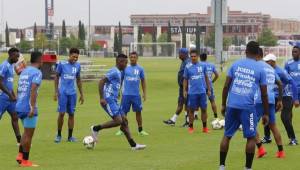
(59,132)
(131,142)
(191,125)
(20,149)
(215,115)
(25,155)
(140,129)
(249,160)
(97,128)
(259,145)
(280,147)
(223,158)
(70,133)
(204,124)
(18,137)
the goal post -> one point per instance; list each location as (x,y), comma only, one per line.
(158,49)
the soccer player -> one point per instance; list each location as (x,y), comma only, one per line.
(289,94)
(7,95)
(67,73)
(26,107)
(292,67)
(211,71)
(242,81)
(272,79)
(185,59)
(109,88)
(194,89)
(133,76)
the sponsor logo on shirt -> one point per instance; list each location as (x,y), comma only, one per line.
(69,77)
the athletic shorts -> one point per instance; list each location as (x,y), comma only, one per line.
(260,111)
(29,122)
(67,103)
(197,100)
(112,108)
(235,117)
(129,101)
(6,105)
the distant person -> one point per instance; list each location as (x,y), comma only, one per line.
(109,88)
(181,104)
(196,86)
(243,79)
(213,76)
(134,75)
(7,94)
(67,75)
(26,107)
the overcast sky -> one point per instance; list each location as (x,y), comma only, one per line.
(23,13)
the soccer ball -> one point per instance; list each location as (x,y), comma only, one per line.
(89,142)
(216,124)
(222,122)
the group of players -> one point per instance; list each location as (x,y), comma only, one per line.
(254,90)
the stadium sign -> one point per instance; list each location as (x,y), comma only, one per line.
(189,29)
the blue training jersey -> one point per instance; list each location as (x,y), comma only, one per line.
(113,84)
(247,75)
(272,77)
(289,86)
(7,73)
(181,70)
(195,74)
(211,70)
(29,76)
(68,74)
(132,77)
(292,67)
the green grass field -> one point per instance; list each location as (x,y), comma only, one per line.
(167,147)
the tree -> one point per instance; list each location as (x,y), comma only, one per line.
(95,46)
(24,46)
(140,37)
(154,46)
(164,38)
(120,38)
(41,41)
(34,30)
(198,32)
(79,30)
(64,44)
(22,36)
(169,38)
(227,41)
(116,42)
(267,38)
(63,29)
(183,32)
(210,40)
(51,34)
(7,36)
(147,38)
(82,32)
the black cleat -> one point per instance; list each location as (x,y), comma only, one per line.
(185,125)
(196,117)
(266,140)
(169,122)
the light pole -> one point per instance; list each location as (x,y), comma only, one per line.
(89,40)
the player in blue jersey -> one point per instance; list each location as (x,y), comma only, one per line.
(181,104)
(213,75)
(195,88)
(134,75)
(26,107)
(7,95)
(244,77)
(272,80)
(109,88)
(292,67)
(290,97)
(67,75)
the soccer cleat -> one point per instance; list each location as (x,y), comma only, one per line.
(196,117)
(19,158)
(57,139)
(205,130)
(186,124)
(72,139)
(119,133)
(143,133)
(94,134)
(191,130)
(138,147)
(169,122)
(26,163)
(261,152)
(280,154)
(293,142)
(222,167)
(266,140)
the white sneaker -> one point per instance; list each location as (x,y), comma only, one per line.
(138,147)
(94,134)
(222,167)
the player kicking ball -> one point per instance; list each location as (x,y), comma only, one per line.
(109,88)
(26,108)
(67,73)
(134,75)
(194,85)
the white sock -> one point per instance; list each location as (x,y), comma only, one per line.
(196,113)
(174,117)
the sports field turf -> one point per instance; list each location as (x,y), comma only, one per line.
(167,147)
